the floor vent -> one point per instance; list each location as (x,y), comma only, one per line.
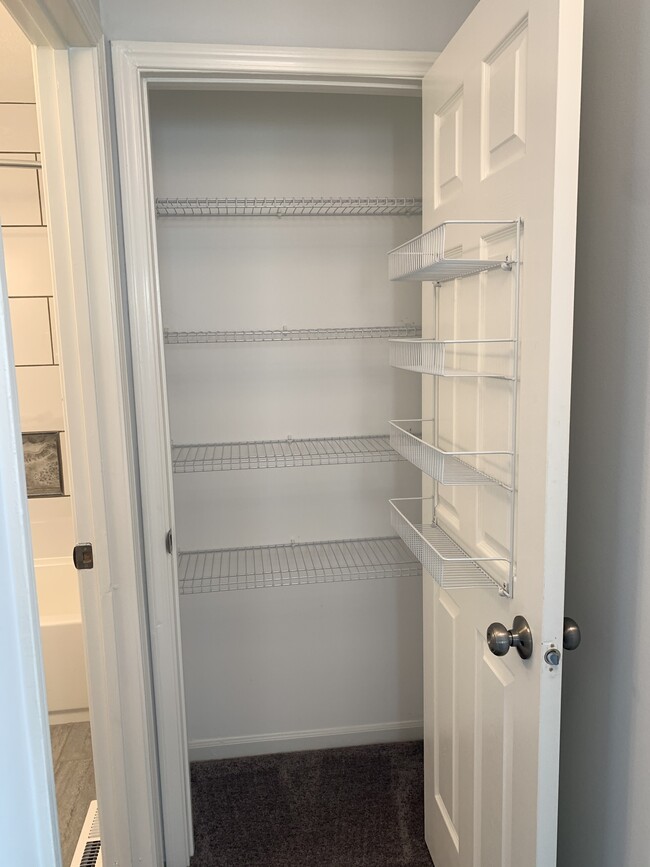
(88,851)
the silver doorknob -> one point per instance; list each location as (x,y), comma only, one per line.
(500,639)
(571,637)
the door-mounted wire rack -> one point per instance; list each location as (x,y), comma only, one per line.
(292,564)
(449,468)
(442,557)
(472,358)
(273,454)
(445,556)
(381,206)
(279,335)
(425,258)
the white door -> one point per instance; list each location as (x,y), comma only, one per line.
(501,123)
(28,821)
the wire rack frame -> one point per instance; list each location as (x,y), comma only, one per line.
(443,558)
(274,454)
(423,257)
(371,332)
(448,468)
(382,206)
(294,564)
(432,357)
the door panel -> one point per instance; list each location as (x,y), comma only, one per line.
(501,123)
(503,102)
(446,735)
(494,759)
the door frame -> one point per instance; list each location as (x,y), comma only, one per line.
(137,67)
(72,85)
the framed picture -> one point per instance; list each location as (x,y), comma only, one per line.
(43,467)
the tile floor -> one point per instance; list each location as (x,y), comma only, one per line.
(75,781)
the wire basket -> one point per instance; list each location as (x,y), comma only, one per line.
(443,558)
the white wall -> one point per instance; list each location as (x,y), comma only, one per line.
(605,790)
(293,659)
(416,25)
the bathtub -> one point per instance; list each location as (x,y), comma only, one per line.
(62,640)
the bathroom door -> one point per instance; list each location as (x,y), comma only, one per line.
(28,820)
(501,124)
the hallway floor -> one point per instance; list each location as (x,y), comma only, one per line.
(74,777)
(353,807)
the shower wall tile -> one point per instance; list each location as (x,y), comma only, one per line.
(40,399)
(20,203)
(52,527)
(27,260)
(16,76)
(32,335)
(19,129)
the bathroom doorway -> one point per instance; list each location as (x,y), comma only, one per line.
(32,304)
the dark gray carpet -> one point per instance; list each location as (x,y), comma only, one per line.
(353,807)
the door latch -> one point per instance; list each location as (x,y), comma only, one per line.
(82,556)
(169,542)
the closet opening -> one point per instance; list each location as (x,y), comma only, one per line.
(300,609)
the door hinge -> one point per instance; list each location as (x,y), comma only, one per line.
(169,542)
(82,556)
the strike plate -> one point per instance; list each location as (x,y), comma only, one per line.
(82,556)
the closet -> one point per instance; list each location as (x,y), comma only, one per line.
(291,378)
(300,607)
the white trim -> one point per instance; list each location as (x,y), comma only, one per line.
(61,717)
(154,457)
(77,162)
(159,63)
(311,739)
(137,67)
(58,23)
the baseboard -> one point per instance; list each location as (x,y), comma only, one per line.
(59,717)
(312,739)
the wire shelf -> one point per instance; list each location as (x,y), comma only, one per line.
(447,563)
(423,258)
(287,565)
(493,359)
(272,454)
(376,332)
(448,468)
(382,206)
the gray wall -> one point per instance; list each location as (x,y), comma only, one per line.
(605,790)
(416,25)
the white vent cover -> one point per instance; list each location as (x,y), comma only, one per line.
(88,851)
